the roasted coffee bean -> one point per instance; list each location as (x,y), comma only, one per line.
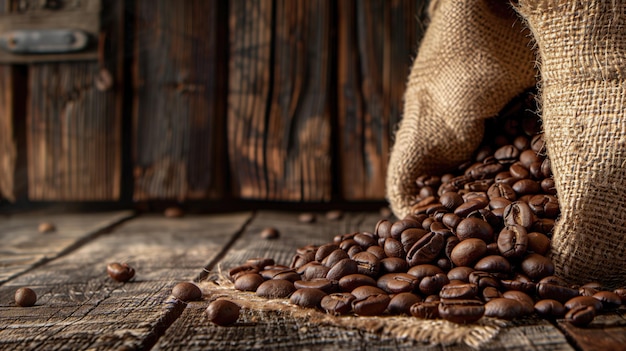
(306,217)
(474,228)
(451,243)
(25,297)
(543,225)
(365,239)
(459,291)
(461,311)
(314,270)
(527,287)
(186,291)
(223,312)
(555,292)
(548,186)
(271,272)
(609,300)
(468,252)
(290,275)
(553,279)
(353,281)
(334,257)
(393,248)
(444,263)
(372,305)
(377,251)
(501,190)
(120,272)
(260,262)
(173,212)
(518,171)
(337,303)
(393,265)
(536,266)
(307,297)
(538,243)
(248,282)
(544,205)
(428,180)
(367,263)
(585,291)
(353,250)
(238,271)
(505,177)
(583,301)
(519,213)
(426,249)
(507,154)
(347,244)
(513,241)
(410,236)
(489,293)
(398,227)
(326,285)
(451,220)
(325,250)
(580,316)
(401,303)
(460,273)
(483,279)
(334,215)
(275,289)
(526,186)
(494,264)
(383,228)
(300,259)
(342,268)
(521,143)
(361,292)
(469,207)
(479,185)
(431,285)
(270,233)
(394,283)
(46,227)
(621,292)
(486,170)
(451,200)
(424,270)
(504,308)
(549,308)
(425,310)
(492,249)
(528,157)
(525,299)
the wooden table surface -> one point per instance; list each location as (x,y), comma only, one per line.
(80,308)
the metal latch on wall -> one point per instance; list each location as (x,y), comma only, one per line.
(52,30)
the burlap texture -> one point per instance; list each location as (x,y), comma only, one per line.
(473,59)
(582,49)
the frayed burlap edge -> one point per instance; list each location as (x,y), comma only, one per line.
(424,331)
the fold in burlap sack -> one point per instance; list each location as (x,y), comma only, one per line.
(473,59)
(582,53)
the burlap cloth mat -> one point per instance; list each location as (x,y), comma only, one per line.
(422,331)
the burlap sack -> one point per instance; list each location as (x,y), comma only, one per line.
(473,59)
(582,53)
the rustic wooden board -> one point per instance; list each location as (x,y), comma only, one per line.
(24,247)
(80,307)
(377,40)
(278,100)
(276,331)
(73,129)
(606,332)
(179,100)
(8,148)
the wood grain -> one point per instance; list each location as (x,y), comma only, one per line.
(24,247)
(80,307)
(279,100)
(377,40)
(606,332)
(73,129)
(8,147)
(179,99)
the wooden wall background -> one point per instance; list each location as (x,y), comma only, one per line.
(274,100)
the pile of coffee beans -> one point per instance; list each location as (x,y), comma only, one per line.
(474,245)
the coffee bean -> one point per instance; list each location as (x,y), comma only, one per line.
(334,257)
(410,236)
(609,300)
(25,297)
(372,305)
(474,228)
(186,291)
(270,233)
(337,303)
(46,227)
(519,213)
(549,308)
(314,270)
(383,228)
(325,250)
(460,273)
(580,316)
(501,190)
(483,279)
(504,308)
(548,186)
(377,251)
(394,283)
(361,292)
(621,292)
(461,311)
(585,291)
(393,265)
(306,217)
(120,272)
(468,251)
(401,303)
(507,154)
(275,289)
(173,212)
(307,297)
(459,291)
(536,266)
(326,285)
(426,310)
(494,264)
(525,299)
(342,268)
(365,239)
(424,270)
(431,285)
(469,207)
(223,312)
(248,282)
(556,292)
(451,200)
(527,287)
(393,248)
(334,215)
(583,301)
(426,249)
(352,281)
(544,205)
(238,271)
(489,293)
(518,171)
(260,262)
(538,243)
(513,241)
(385,212)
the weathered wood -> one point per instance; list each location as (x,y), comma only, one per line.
(24,247)
(377,41)
(80,307)
(278,102)
(179,100)
(8,148)
(74,129)
(606,332)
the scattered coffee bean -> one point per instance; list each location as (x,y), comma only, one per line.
(186,291)
(307,297)
(120,272)
(401,303)
(504,308)
(425,309)
(549,308)
(25,297)
(270,233)
(306,217)
(337,303)
(461,311)
(583,301)
(223,312)
(275,289)
(173,212)
(46,227)
(609,300)
(248,282)
(334,215)
(580,316)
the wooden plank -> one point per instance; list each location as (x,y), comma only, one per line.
(377,41)
(8,148)
(279,100)
(179,97)
(80,307)
(24,247)
(282,328)
(606,332)
(74,129)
